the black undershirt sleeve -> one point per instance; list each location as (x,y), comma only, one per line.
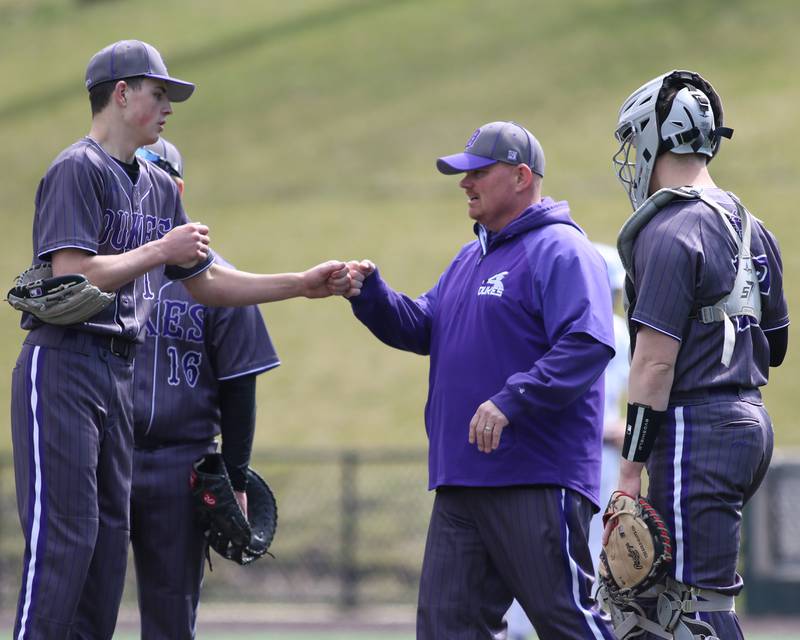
(237,403)
(778,344)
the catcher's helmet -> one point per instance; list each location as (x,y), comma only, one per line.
(678,111)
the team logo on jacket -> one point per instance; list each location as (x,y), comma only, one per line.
(493,286)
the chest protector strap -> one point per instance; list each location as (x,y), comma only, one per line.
(744,299)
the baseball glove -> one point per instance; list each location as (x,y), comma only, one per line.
(639,547)
(67,299)
(231,534)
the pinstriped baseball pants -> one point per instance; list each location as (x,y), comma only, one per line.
(708,461)
(168,545)
(72,439)
(486,546)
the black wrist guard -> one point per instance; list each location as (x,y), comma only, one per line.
(641,431)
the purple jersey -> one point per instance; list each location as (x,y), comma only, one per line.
(697,267)
(187,350)
(86,201)
(521,317)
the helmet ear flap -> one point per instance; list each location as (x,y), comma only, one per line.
(670,87)
(678,79)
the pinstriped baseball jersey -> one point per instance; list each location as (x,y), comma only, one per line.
(187,350)
(87,201)
(685,258)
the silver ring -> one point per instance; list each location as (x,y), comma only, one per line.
(487,428)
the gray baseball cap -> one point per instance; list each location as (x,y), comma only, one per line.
(130,58)
(501,141)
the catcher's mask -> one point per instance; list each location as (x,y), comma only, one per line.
(678,111)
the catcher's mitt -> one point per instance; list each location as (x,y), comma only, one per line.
(228,532)
(639,547)
(63,300)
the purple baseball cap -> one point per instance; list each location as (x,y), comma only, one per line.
(130,58)
(500,141)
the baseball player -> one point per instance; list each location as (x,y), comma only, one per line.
(195,377)
(707,318)
(616,382)
(515,402)
(117,220)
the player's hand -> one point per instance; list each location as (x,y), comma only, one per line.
(359,271)
(487,426)
(185,245)
(330,278)
(241,499)
(630,482)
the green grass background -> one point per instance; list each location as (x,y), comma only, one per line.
(315,127)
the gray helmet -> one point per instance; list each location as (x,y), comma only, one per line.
(165,155)
(651,123)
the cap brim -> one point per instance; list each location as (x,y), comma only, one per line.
(177,90)
(461,162)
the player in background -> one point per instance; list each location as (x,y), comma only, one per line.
(514,412)
(616,381)
(195,378)
(708,318)
(118,220)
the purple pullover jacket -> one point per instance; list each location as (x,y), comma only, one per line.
(522,317)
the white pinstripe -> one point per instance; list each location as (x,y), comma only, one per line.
(37,497)
(676,494)
(573,567)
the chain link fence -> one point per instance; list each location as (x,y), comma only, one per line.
(352,528)
(351,532)
(772,540)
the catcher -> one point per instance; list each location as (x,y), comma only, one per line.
(708,318)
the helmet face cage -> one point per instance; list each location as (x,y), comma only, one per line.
(637,133)
(640,132)
(624,166)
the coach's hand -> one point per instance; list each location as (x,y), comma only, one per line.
(359,271)
(487,426)
(330,278)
